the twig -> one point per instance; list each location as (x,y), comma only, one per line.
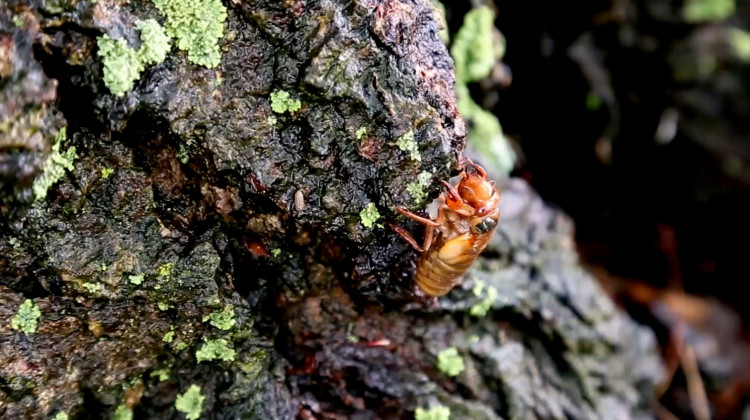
(696,389)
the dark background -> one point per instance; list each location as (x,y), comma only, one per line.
(662,219)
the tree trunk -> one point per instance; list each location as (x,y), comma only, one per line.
(207,230)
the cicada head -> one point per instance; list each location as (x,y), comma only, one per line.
(479,193)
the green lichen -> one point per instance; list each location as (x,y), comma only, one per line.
(27,317)
(407,143)
(697,11)
(478,287)
(180,346)
(197,25)
(361,132)
(154,42)
(123,412)
(739,41)
(107,172)
(165,271)
(272,120)
(61,416)
(161,374)
(482,307)
(192,22)
(215,350)
(276,252)
(183,155)
(476,48)
(282,102)
(190,403)
(91,287)
(168,337)
(122,67)
(369,215)
(416,188)
(163,306)
(136,279)
(223,320)
(18,21)
(54,166)
(449,362)
(435,413)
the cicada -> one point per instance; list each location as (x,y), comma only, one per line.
(466,218)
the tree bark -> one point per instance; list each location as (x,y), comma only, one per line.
(214,203)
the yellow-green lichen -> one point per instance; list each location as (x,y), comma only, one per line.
(161,374)
(136,279)
(121,64)
(697,11)
(190,403)
(739,41)
(275,252)
(107,172)
(416,188)
(54,166)
(165,271)
(27,317)
(449,362)
(123,412)
(61,416)
(163,306)
(168,337)
(476,48)
(282,102)
(435,413)
(197,25)
(482,307)
(407,143)
(369,215)
(223,320)
(92,287)
(215,350)
(183,155)
(154,42)
(361,132)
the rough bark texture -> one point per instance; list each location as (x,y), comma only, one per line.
(263,220)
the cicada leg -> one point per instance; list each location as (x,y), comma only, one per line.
(476,167)
(429,229)
(404,234)
(417,218)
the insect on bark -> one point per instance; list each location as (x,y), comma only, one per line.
(467,217)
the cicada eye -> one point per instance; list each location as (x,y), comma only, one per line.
(485,226)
